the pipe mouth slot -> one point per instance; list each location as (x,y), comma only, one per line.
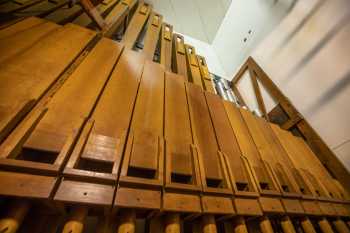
(180,178)
(264,185)
(40,156)
(214,183)
(242,186)
(95,166)
(141,172)
(285,188)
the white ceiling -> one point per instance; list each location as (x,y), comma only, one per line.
(199,19)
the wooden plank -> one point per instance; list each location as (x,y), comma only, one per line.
(177,129)
(26,77)
(292,152)
(25,185)
(166,46)
(147,122)
(41,9)
(65,14)
(10,7)
(203,133)
(20,26)
(273,155)
(105,140)
(260,170)
(208,83)
(179,59)
(18,42)
(144,153)
(152,35)
(136,24)
(242,180)
(72,103)
(193,66)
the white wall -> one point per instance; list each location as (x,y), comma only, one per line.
(257,16)
(197,18)
(308,57)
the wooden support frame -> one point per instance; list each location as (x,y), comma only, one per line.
(295,119)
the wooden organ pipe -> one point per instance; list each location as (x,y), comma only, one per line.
(265,225)
(127,221)
(16,213)
(75,224)
(325,226)
(340,226)
(287,225)
(172,223)
(208,224)
(239,225)
(307,225)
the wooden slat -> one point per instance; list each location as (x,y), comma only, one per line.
(228,144)
(179,60)
(65,14)
(41,9)
(166,46)
(136,24)
(11,6)
(177,125)
(27,76)
(20,26)
(147,121)
(18,42)
(203,132)
(152,35)
(72,103)
(107,137)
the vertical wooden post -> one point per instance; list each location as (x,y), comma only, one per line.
(325,226)
(239,225)
(307,225)
(341,226)
(127,221)
(287,225)
(265,225)
(172,223)
(208,224)
(75,224)
(15,216)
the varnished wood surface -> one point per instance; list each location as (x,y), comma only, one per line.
(28,75)
(64,113)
